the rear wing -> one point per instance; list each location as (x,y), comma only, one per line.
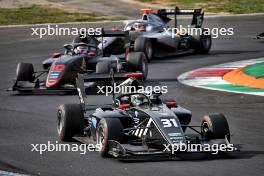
(197,19)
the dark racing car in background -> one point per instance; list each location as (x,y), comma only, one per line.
(152,35)
(136,124)
(60,70)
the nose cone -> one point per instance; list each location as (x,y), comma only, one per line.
(55,75)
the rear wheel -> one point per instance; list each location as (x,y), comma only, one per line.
(202,43)
(144,45)
(215,126)
(70,121)
(25,72)
(103,67)
(108,129)
(137,62)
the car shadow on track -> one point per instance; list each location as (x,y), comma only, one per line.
(193,157)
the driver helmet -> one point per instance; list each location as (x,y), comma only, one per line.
(124,100)
(138,100)
(139,27)
(82,50)
(155,98)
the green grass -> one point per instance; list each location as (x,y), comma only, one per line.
(44,14)
(230,6)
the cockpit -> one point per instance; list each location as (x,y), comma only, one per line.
(136,100)
(148,22)
(84,49)
(81,49)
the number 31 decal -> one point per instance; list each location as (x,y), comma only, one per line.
(169,123)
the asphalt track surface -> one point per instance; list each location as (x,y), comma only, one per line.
(26,120)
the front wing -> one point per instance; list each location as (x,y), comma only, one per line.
(117,149)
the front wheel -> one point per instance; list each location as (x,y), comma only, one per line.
(25,72)
(137,62)
(108,129)
(215,126)
(70,121)
(144,45)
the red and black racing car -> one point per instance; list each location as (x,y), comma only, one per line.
(60,70)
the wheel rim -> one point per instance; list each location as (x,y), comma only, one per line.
(59,124)
(205,128)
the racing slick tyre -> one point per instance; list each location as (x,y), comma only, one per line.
(137,62)
(25,72)
(108,129)
(103,67)
(202,43)
(215,126)
(144,45)
(70,121)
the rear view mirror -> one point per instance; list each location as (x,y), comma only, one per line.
(115,103)
(68,46)
(56,54)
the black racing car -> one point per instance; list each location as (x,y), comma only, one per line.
(137,124)
(153,35)
(60,70)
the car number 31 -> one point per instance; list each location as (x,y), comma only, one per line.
(169,123)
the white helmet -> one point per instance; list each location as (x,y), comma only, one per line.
(138,99)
